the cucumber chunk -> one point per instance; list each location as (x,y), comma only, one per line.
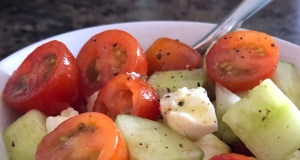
(169,81)
(294,156)
(266,121)
(23,136)
(149,140)
(224,100)
(286,78)
(211,146)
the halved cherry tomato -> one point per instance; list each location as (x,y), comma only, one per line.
(128,94)
(47,80)
(241,59)
(230,156)
(89,135)
(107,54)
(168,54)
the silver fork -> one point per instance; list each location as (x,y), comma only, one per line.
(230,23)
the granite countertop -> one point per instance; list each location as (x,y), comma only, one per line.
(23,23)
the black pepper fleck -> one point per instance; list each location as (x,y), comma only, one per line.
(263,118)
(168,53)
(159,55)
(198,84)
(115,44)
(273,45)
(180,103)
(168,89)
(160,117)
(81,126)
(13,144)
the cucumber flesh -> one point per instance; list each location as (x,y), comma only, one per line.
(169,81)
(149,140)
(294,156)
(211,146)
(286,78)
(224,100)
(22,137)
(266,121)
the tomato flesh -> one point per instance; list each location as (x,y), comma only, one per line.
(128,94)
(107,54)
(47,80)
(241,59)
(90,135)
(230,156)
(168,54)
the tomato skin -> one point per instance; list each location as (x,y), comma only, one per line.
(230,156)
(242,59)
(168,54)
(107,54)
(47,80)
(88,135)
(128,94)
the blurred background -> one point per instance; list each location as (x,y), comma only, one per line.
(23,22)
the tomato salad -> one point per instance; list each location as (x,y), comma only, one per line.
(114,69)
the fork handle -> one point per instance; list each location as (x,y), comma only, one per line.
(230,23)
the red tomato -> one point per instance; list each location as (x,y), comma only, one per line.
(106,55)
(168,54)
(230,156)
(88,135)
(47,80)
(241,59)
(128,94)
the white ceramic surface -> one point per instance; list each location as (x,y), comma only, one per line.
(144,32)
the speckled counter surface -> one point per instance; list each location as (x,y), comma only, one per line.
(25,22)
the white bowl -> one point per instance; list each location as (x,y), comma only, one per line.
(144,32)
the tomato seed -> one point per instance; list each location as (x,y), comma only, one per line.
(98,77)
(223,65)
(229,67)
(52,61)
(261,54)
(259,49)
(229,72)
(118,53)
(63,138)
